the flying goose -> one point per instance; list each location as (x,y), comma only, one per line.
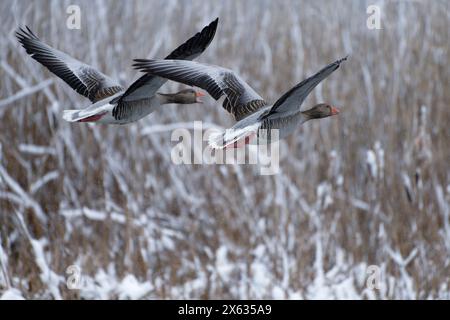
(251,112)
(112,104)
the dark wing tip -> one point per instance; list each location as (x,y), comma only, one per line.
(141,60)
(343,59)
(337,63)
(21,34)
(196,44)
(142,64)
(214,23)
(24,34)
(211,30)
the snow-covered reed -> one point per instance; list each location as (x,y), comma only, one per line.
(370,187)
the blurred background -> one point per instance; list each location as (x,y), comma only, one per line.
(369,187)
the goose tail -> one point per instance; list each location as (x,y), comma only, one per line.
(80,116)
(71,115)
(233,137)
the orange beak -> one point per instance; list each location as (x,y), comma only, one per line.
(334,111)
(199,94)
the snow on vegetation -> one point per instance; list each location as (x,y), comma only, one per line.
(359,210)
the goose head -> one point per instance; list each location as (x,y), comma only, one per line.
(321,110)
(186,96)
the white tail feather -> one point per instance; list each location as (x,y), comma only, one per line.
(71,115)
(77,115)
(223,139)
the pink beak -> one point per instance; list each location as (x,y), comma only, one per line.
(199,94)
(334,111)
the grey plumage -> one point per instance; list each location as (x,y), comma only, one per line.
(249,109)
(147,85)
(83,78)
(291,101)
(240,99)
(127,105)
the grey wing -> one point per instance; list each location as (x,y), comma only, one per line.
(147,85)
(83,78)
(240,99)
(290,102)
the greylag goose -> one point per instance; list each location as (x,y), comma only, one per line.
(255,118)
(112,104)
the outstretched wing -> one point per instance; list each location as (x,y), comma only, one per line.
(83,78)
(290,102)
(147,85)
(241,100)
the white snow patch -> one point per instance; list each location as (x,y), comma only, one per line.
(131,288)
(278,293)
(371,160)
(94,214)
(12,294)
